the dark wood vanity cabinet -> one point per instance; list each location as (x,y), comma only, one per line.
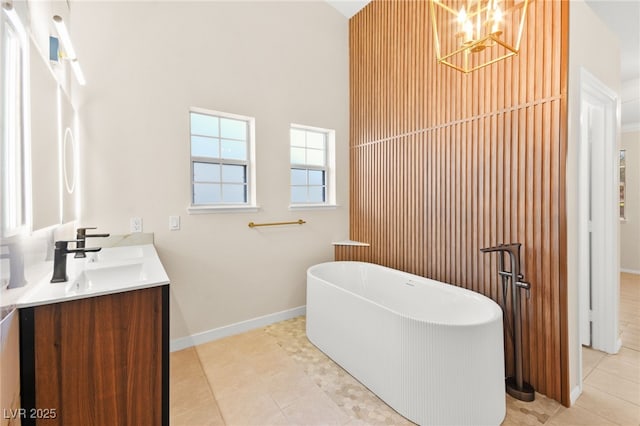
(97,361)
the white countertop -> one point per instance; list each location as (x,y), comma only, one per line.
(111,270)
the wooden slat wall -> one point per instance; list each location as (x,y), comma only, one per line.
(443,164)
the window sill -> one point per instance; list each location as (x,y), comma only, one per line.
(295,207)
(222,209)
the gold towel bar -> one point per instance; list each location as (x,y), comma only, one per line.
(297,222)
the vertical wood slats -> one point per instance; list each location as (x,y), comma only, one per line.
(443,164)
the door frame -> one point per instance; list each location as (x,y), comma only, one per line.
(605,259)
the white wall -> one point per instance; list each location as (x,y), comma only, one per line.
(630,105)
(594,47)
(146,63)
(630,141)
(630,228)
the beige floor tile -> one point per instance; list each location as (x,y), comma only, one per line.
(204,416)
(626,311)
(236,365)
(578,416)
(237,385)
(590,359)
(629,356)
(249,409)
(186,395)
(630,294)
(248,374)
(532,413)
(628,318)
(630,340)
(612,364)
(185,369)
(629,306)
(218,353)
(272,362)
(315,410)
(190,397)
(635,327)
(227,350)
(290,385)
(356,422)
(276,377)
(276,419)
(252,342)
(184,360)
(633,332)
(517,418)
(608,406)
(284,385)
(614,385)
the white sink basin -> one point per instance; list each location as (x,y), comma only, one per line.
(106,277)
(119,269)
(117,253)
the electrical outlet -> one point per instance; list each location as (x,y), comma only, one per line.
(174,223)
(136,224)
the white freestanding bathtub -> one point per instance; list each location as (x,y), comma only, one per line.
(432,351)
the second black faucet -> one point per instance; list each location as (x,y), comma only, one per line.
(81,236)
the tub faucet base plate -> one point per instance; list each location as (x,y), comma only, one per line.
(526,393)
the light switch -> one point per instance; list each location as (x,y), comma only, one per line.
(174,223)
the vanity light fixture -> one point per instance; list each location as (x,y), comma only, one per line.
(69,51)
(471,34)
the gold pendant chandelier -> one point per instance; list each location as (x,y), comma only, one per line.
(471,34)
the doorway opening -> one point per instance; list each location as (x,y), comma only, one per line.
(598,252)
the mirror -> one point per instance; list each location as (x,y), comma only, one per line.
(44,143)
(69,159)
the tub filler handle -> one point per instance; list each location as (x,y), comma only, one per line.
(526,286)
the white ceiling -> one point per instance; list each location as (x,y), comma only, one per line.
(348,7)
(621,16)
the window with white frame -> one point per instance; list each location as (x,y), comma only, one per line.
(312,166)
(14,147)
(221,159)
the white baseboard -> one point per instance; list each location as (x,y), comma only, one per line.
(575,394)
(630,271)
(237,328)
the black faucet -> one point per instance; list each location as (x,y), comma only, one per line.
(60,259)
(513,250)
(81,235)
(516,386)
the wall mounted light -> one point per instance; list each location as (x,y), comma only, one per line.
(68,52)
(471,34)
